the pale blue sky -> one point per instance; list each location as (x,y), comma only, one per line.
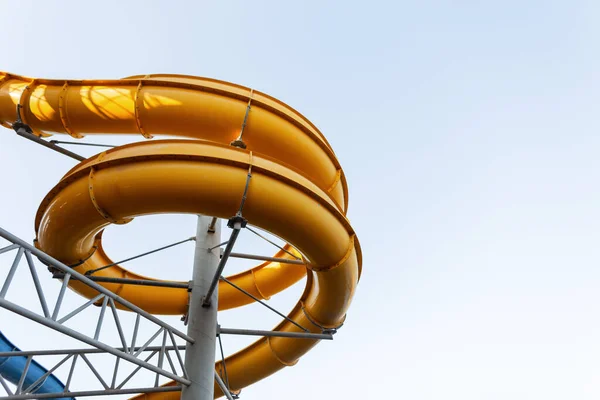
(468,131)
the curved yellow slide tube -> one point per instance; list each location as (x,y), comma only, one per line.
(297,191)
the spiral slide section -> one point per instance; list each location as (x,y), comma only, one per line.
(222,132)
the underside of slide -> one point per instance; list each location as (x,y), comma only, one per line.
(222,131)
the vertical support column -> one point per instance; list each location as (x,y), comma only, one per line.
(202,321)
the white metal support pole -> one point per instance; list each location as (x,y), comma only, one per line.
(202,321)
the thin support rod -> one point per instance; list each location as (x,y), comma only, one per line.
(219,245)
(272,242)
(224,389)
(30,136)
(202,321)
(223,357)
(92,271)
(296,335)
(264,258)
(211,226)
(226,253)
(80,144)
(264,304)
(126,281)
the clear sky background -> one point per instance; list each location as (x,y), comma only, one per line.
(468,131)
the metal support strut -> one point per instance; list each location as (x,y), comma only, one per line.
(25,131)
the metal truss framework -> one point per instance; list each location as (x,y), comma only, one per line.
(54,318)
(145,356)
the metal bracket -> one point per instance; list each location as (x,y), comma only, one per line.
(239,142)
(231,222)
(324,330)
(24,130)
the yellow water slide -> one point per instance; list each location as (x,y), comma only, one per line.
(298,192)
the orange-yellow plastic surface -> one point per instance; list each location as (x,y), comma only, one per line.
(297,191)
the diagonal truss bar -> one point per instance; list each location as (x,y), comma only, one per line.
(161,356)
(71,371)
(94,371)
(80,309)
(143,348)
(11,272)
(179,357)
(135,332)
(38,286)
(171,364)
(19,388)
(136,370)
(118,323)
(9,248)
(101,318)
(5,386)
(115,372)
(61,296)
(42,378)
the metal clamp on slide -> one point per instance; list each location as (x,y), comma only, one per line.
(19,124)
(324,330)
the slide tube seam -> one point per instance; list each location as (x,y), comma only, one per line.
(137,105)
(62,111)
(277,357)
(255,281)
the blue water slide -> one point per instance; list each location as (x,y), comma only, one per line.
(11,369)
